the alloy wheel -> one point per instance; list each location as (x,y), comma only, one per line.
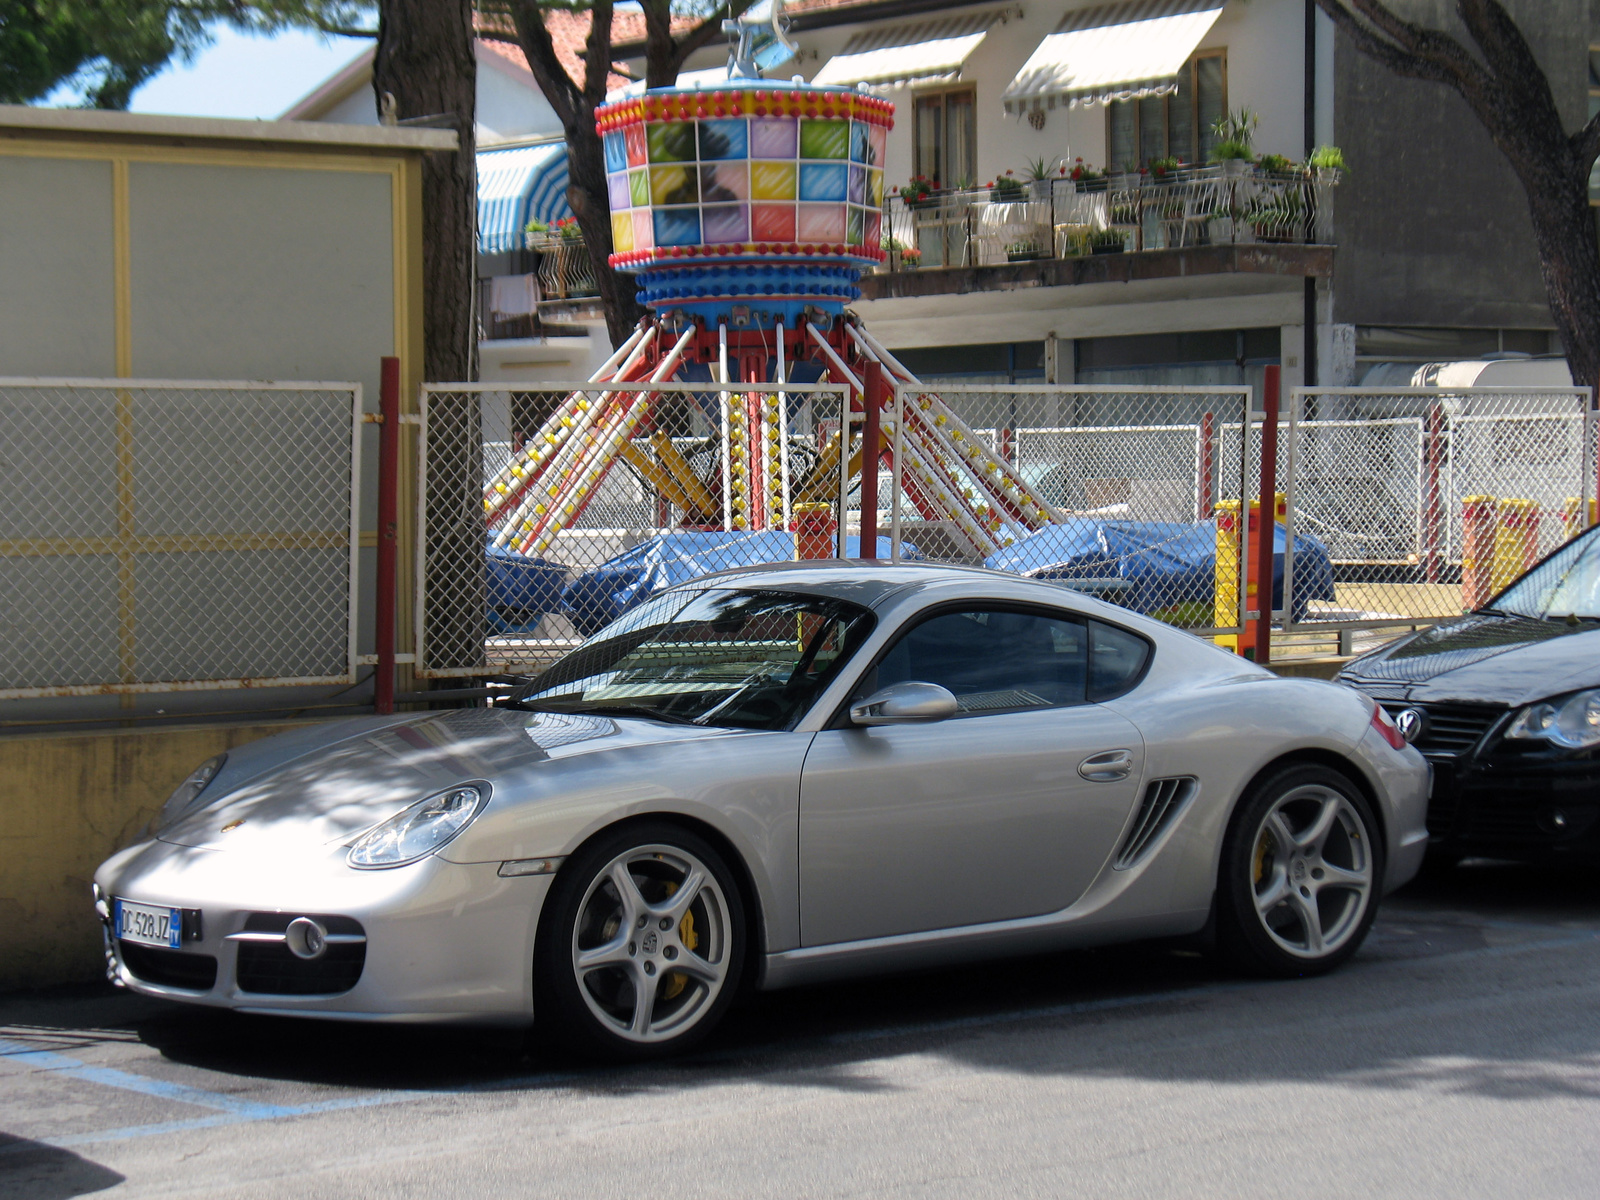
(1312,871)
(651,945)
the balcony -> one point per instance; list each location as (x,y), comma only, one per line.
(1230,218)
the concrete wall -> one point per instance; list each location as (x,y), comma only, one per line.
(67,802)
(1432,225)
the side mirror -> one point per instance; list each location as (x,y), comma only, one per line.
(905,704)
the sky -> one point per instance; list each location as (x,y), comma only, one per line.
(243,75)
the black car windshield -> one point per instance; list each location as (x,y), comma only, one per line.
(1565,584)
(713,656)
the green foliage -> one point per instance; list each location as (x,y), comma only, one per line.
(1276,164)
(105,49)
(1327,158)
(1038,170)
(1235,133)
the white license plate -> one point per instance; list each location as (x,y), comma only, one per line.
(149,925)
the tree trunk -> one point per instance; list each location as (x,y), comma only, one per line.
(427,61)
(586,194)
(1569,261)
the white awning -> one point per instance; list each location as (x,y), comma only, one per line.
(919,52)
(1112,52)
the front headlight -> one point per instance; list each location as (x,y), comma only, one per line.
(1572,721)
(189,791)
(418,831)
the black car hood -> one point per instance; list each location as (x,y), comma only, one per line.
(1485,658)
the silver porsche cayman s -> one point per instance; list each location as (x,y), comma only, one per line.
(769,777)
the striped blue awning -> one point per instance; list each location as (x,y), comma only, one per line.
(528,183)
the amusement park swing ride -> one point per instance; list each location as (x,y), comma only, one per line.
(748,212)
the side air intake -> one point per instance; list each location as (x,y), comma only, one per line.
(1163,800)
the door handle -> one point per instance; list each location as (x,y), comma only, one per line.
(1107,767)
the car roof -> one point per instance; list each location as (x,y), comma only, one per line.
(865,581)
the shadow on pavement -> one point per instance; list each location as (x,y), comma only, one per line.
(34,1171)
(1121,1011)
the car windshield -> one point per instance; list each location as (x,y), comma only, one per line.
(713,656)
(1567,584)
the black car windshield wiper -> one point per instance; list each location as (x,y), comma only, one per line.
(611,710)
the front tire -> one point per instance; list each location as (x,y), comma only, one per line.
(1301,872)
(641,946)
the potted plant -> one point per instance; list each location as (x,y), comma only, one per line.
(536,234)
(1039,176)
(918,192)
(1085,178)
(1107,241)
(1327,162)
(567,229)
(901,256)
(1165,169)
(1275,164)
(1234,133)
(1023,250)
(1007,189)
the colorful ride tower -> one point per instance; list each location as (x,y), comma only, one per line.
(748,212)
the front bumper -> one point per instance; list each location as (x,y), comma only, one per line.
(442,941)
(1538,804)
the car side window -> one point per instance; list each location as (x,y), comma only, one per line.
(994,659)
(1116,660)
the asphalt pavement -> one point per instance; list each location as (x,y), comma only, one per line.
(1457,1056)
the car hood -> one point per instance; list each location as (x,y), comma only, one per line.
(335,789)
(1486,658)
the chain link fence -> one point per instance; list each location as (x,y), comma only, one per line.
(1111,491)
(543,514)
(158,536)
(1430,500)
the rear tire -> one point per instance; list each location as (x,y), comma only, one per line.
(1301,872)
(641,946)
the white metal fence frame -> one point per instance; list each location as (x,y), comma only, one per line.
(835,396)
(131,498)
(1231,411)
(1558,404)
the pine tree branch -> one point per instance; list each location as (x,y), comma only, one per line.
(1586,144)
(1369,42)
(559,88)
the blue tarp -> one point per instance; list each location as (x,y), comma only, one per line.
(597,597)
(1164,563)
(521,589)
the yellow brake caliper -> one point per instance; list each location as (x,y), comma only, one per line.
(1261,856)
(676,981)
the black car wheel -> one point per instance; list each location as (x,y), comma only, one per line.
(641,946)
(1301,874)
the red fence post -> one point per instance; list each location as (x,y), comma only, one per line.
(871,446)
(1267,528)
(1207,467)
(1432,512)
(388,534)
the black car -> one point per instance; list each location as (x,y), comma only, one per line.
(1505,703)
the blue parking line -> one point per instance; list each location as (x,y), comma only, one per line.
(71,1068)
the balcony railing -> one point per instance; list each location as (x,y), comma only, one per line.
(1063,218)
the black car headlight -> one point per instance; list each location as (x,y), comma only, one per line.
(189,791)
(1571,721)
(418,831)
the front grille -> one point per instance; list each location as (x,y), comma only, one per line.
(1452,728)
(270,968)
(168,968)
(1163,799)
